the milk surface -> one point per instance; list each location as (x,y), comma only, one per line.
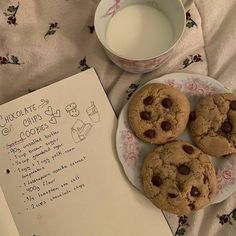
(139,31)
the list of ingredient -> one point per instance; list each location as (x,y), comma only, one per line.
(41,160)
(38,164)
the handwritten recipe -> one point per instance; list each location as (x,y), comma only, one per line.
(58,163)
(38,154)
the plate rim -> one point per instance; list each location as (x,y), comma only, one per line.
(155,80)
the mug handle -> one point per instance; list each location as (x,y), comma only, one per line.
(187,4)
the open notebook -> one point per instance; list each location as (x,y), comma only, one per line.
(59,174)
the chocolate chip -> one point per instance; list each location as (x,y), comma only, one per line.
(148,100)
(192,116)
(150,133)
(145,115)
(184,170)
(166,125)
(156,180)
(172,195)
(195,192)
(233,105)
(188,149)
(167,103)
(192,206)
(226,127)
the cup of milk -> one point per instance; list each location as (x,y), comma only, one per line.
(139,35)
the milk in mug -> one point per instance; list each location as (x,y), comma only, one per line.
(139,32)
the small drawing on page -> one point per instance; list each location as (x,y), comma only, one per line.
(6,130)
(44,102)
(54,115)
(72,109)
(80,130)
(93,113)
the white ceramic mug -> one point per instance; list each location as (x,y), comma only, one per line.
(173,9)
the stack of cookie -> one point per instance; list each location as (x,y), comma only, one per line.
(177,176)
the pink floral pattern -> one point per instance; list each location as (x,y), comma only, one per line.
(226,175)
(139,66)
(113,9)
(196,87)
(193,86)
(130,146)
(173,83)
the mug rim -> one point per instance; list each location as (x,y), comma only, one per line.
(140,59)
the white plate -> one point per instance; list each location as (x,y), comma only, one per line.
(131,150)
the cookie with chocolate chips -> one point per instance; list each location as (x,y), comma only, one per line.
(213,124)
(158,113)
(179,178)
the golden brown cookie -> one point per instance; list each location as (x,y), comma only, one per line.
(179,178)
(158,113)
(213,124)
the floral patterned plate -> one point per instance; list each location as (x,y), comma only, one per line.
(131,150)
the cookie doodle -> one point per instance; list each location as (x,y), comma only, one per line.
(72,109)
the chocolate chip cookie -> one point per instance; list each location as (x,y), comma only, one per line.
(213,124)
(158,113)
(179,178)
